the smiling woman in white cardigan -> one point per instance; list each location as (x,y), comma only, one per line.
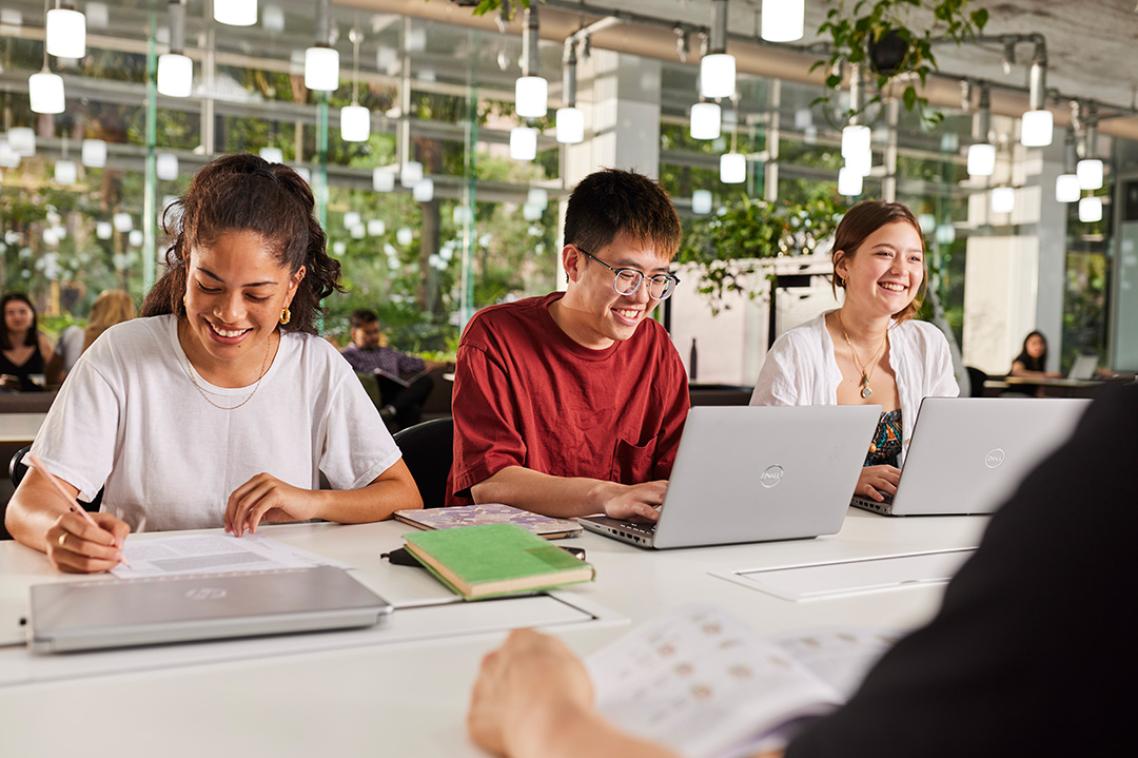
(871,350)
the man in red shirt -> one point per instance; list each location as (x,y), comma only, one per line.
(573,403)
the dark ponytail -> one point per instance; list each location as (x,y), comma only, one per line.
(245,193)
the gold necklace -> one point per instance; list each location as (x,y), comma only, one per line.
(866,390)
(256,386)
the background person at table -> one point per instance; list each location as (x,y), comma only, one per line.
(24,350)
(1028,655)
(110,307)
(871,350)
(1032,359)
(220,407)
(402,391)
(573,403)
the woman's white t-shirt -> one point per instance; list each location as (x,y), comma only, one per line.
(129,419)
(800,368)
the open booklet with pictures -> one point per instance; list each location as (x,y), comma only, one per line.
(489,513)
(702,683)
(401,381)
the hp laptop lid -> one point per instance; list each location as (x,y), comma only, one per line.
(754,473)
(968,454)
(117,613)
(1083,367)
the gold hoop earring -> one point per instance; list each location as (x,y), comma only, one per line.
(286,316)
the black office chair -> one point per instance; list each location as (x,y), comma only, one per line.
(976,379)
(16,470)
(428,449)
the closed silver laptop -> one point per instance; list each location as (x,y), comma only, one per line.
(756,473)
(968,455)
(117,613)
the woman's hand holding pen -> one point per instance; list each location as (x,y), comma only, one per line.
(76,545)
(264,498)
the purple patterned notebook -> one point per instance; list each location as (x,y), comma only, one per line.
(489,513)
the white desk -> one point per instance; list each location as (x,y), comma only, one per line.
(410,698)
(20,427)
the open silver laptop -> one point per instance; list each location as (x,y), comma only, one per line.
(755,473)
(117,613)
(1084,367)
(968,455)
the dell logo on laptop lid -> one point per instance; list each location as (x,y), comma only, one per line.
(995,457)
(772,476)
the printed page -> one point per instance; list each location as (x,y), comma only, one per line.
(841,657)
(188,554)
(702,682)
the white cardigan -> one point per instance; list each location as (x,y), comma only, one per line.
(800,368)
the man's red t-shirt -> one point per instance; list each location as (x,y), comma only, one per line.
(526,394)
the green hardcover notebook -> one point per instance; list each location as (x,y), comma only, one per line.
(495,559)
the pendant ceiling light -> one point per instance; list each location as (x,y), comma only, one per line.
(322,61)
(1038,124)
(235,12)
(1067,188)
(570,119)
(783,20)
(706,119)
(1090,169)
(355,119)
(66,33)
(175,69)
(982,153)
(523,143)
(717,68)
(531,92)
(94,153)
(1090,210)
(701,202)
(1003,200)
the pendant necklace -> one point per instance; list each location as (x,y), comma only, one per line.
(865,370)
(204,393)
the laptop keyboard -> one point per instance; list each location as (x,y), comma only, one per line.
(873,505)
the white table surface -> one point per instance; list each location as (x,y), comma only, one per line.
(20,427)
(410,697)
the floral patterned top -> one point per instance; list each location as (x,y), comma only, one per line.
(885,447)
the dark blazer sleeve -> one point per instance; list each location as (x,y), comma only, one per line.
(1034,650)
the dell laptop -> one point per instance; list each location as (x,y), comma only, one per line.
(967,455)
(89,615)
(1084,368)
(756,473)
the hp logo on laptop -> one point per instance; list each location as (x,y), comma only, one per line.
(205,593)
(772,476)
(995,457)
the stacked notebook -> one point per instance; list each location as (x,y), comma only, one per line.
(489,513)
(495,559)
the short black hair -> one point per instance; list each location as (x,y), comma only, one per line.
(362,317)
(611,201)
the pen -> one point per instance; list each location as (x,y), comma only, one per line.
(73,506)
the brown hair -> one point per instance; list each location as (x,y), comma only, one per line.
(245,193)
(612,201)
(32,337)
(110,307)
(858,224)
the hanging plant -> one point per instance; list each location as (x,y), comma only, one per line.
(726,246)
(875,35)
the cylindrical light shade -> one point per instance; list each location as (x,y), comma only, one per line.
(717,75)
(321,68)
(355,123)
(1035,131)
(1067,188)
(849,182)
(523,143)
(570,126)
(732,168)
(94,153)
(1003,200)
(351,218)
(175,75)
(303,173)
(860,163)
(1090,210)
(1089,172)
(531,96)
(376,227)
(946,234)
(273,18)
(135,237)
(783,20)
(423,191)
(123,222)
(22,140)
(383,180)
(538,197)
(701,202)
(103,230)
(856,141)
(705,121)
(461,215)
(66,33)
(65,172)
(167,166)
(45,90)
(272,155)
(404,236)
(358,232)
(236,12)
(412,173)
(981,159)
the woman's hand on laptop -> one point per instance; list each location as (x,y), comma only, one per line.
(75,546)
(268,499)
(636,501)
(875,480)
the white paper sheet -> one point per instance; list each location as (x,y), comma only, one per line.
(188,554)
